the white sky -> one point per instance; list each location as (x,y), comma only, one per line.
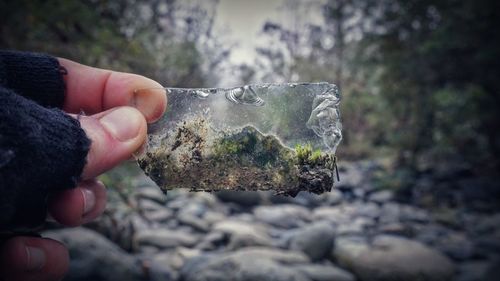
(245,20)
(242,21)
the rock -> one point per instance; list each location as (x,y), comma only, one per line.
(93,257)
(155,271)
(147,205)
(212,241)
(358,193)
(205,198)
(350,176)
(449,217)
(370,210)
(286,215)
(246,264)
(212,217)
(193,208)
(164,238)
(389,213)
(243,234)
(485,224)
(338,214)
(192,214)
(392,258)
(160,215)
(195,222)
(307,199)
(429,234)
(278,255)
(318,272)
(473,271)
(356,226)
(151,193)
(166,265)
(246,199)
(413,214)
(315,240)
(382,196)
(456,245)
(488,244)
(395,228)
(333,197)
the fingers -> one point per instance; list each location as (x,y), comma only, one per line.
(93,90)
(29,258)
(115,135)
(79,205)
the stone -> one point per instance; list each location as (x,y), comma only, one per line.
(212,241)
(193,208)
(151,193)
(488,244)
(485,224)
(318,272)
(473,271)
(166,265)
(147,205)
(156,271)
(285,216)
(205,198)
(93,257)
(429,234)
(389,213)
(263,264)
(212,217)
(350,176)
(333,197)
(315,240)
(195,222)
(337,214)
(359,193)
(369,209)
(357,226)
(278,255)
(160,215)
(410,213)
(382,196)
(393,258)
(395,228)
(457,246)
(164,238)
(307,199)
(243,234)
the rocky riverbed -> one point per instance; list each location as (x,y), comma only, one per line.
(355,232)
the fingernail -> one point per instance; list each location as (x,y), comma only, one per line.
(123,123)
(88,200)
(147,101)
(140,151)
(36,258)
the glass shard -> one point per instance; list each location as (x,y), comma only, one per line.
(280,137)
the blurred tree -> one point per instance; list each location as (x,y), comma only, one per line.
(416,76)
(170,41)
(440,63)
(327,50)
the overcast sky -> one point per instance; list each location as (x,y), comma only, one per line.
(245,20)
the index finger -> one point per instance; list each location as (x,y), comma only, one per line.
(93,90)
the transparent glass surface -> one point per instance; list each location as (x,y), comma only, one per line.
(280,137)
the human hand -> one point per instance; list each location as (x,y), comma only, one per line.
(116,123)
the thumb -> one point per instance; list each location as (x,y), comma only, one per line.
(115,135)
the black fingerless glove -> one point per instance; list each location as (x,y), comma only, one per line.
(42,149)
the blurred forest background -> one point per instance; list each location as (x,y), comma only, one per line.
(419,78)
